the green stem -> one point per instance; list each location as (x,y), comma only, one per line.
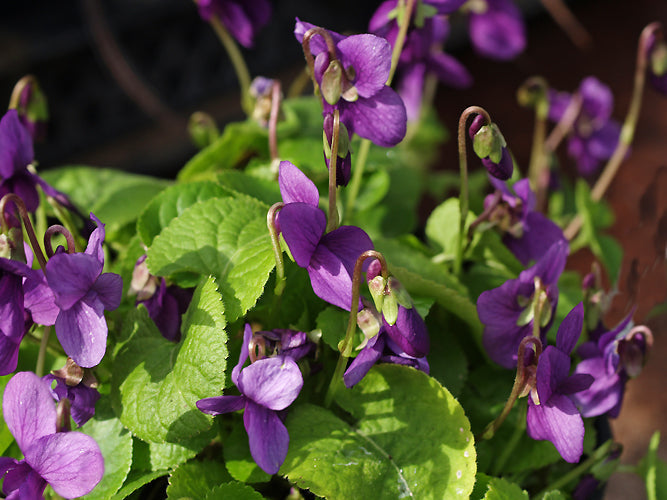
(357,175)
(513,442)
(238,62)
(628,130)
(463,167)
(27,224)
(346,345)
(400,38)
(332,219)
(41,356)
(277,250)
(598,455)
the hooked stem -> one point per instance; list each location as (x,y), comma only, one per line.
(463,167)
(58,229)
(346,345)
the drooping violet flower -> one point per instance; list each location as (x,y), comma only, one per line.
(352,79)
(552,414)
(422,53)
(508,312)
(612,359)
(267,386)
(497,30)
(165,304)
(30,103)
(82,293)
(330,257)
(526,232)
(595,134)
(490,147)
(70,462)
(243,18)
(77,385)
(344,159)
(656,52)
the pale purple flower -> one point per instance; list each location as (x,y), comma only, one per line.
(82,293)
(611,358)
(330,257)
(243,18)
(526,232)
(70,462)
(497,31)
(268,386)
(552,414)
(367,106)
(507,312)
(595,134)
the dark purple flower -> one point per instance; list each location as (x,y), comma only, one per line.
(344,159)
(527,233)
(82,293)
(422,53)
(595,134)
(497,31)
(82,397)
(282,342)
(657,62)
(165,304)
(353,80)
(32,107)
(243,18)
(330,257)
(267,386)
(611,359)
(552,414)
(70,462)
(508,311)
(490,147)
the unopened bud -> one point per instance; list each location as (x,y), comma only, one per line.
(331,85)
(397,290)
(490,146)
(30,103)
(369,320)
(143,283)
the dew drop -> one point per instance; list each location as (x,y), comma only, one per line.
(466,454)
(459,474)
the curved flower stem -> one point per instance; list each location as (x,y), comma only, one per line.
(331,49)
(238,62)
(277,250)
(628,130)
(273,120)
(20,206)
(58,229)
(568,22)
(408,7)
(535,90)
(463,166)
(565,124)
(513,442)
(598,455)
(346,345)
(357,175)
(332,218)
(521,381)
(41,356)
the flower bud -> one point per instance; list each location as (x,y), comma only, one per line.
(657,63)
(369,321)
(30,103)
(490,146)
(633,350)
(331,85)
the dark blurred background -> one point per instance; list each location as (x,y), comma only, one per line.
(123,76)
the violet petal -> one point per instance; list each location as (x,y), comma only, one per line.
(267,437)
(271,382)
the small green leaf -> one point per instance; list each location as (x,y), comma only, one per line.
(501,489)
(115,443)
(237,491)
(171,203)
(226,238)
(167,456)
(442,226)
(194,479)
(411,439)
(333,324)
(156,383)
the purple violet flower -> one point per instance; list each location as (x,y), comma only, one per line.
(527,233)
(612,359)
(70,462)
(243,18)
(595,134)
(165,304)
(81,391)
(267,386)
(82,293)
(490,147)
(507,312)
(498,31)
(422,53)
(330,257)
(283,342)
(552,414)
(357,86)
(344,160)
